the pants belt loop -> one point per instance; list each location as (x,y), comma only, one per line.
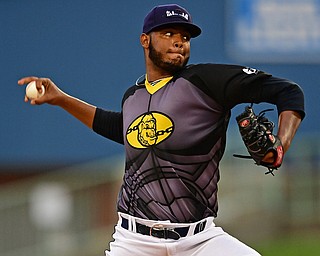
(191,230)
(133,224)
(200,226)
(130,223)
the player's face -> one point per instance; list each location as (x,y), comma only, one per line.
(169,48)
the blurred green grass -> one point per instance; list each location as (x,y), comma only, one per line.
(295,245)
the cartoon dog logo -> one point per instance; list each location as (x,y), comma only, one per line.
(149,129)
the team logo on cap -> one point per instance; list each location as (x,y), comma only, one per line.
(177,13)
(149,129)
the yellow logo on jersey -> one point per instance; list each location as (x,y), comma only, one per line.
(149,129)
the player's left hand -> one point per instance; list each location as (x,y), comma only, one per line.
(256,131)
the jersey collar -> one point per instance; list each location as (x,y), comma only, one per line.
(154,86)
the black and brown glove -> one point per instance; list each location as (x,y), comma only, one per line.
(256,132)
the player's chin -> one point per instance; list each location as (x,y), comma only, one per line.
(179,62)
(178,59)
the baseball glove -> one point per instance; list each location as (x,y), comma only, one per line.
(256,132)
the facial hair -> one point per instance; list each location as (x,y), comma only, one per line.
(170,66)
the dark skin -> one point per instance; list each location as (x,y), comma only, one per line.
(172,48)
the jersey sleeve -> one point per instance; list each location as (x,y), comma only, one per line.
(230,85)
(108,124)
(285,94)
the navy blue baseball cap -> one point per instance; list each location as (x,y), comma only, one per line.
(169,14)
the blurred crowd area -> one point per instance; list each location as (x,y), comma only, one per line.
(67,211)
(71,211)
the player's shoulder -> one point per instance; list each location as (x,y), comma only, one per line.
(132,89)
(221,70)
(211,67)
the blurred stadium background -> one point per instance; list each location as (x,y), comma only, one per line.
(59,181)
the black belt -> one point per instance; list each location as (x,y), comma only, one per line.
(163,232)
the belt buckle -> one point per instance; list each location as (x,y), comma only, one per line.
(167,232)
(156,227)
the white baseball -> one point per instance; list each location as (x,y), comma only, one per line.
(32,92)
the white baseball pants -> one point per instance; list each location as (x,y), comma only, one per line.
(211,241)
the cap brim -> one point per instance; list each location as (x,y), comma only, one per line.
(193,29)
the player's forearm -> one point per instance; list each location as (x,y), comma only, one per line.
(289,122)
(55,96)
(81,110)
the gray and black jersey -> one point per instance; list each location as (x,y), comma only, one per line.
(175,135)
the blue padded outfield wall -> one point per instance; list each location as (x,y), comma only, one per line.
(91,50)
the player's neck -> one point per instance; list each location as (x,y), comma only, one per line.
(155,73)
(157,76)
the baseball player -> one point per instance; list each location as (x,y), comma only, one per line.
(173,126)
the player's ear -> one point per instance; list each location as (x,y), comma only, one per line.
(145,40)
